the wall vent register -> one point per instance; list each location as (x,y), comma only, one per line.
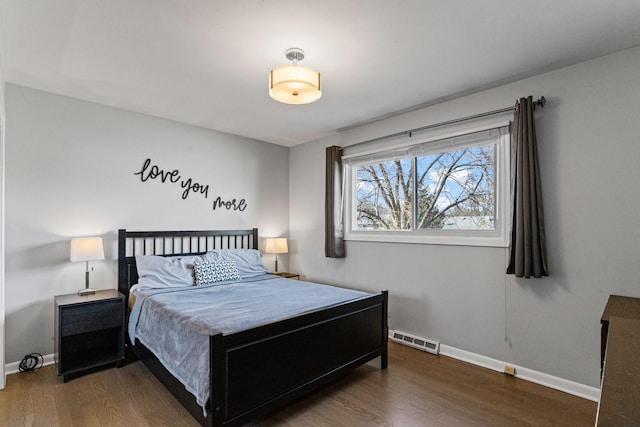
(420,343)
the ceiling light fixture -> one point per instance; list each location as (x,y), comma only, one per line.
(294,84)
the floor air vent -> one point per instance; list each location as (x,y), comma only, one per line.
(416,342)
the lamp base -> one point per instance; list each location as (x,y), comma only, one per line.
(86,291)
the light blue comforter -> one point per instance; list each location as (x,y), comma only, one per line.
(175,323)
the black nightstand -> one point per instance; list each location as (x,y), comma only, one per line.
(287,275)
(89,331)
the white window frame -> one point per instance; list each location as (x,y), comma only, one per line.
(490,238)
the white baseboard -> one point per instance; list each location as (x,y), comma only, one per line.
(557,383)
(13,368)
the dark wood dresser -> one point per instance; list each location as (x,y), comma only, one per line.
(620,359)
(617,306)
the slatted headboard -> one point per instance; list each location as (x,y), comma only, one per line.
(174,243)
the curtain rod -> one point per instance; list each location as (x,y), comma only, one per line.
(539,103)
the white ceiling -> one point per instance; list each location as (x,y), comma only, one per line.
(206,62)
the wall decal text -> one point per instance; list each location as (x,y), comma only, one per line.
(233,204)
(153,172)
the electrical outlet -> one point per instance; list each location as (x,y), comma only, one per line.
(509,370)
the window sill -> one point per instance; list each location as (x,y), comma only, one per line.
(430,239)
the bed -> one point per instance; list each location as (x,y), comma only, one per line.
(258,370)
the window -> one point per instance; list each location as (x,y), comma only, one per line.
(447,191)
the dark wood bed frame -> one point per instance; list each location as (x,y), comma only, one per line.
(260,370)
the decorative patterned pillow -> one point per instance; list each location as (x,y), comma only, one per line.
(210,272)
(248,261)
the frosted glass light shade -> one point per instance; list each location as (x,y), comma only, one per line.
(276,245)
(294,84)
(86,249)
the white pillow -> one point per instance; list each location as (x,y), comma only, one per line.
(163,272)
(248,261)
(211,272)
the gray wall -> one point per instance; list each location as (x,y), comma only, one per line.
(2,126)
(70,172)
(589,149)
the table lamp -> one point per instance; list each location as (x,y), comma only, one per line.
(86,249)
(276,245)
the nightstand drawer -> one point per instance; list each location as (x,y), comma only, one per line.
(77,319)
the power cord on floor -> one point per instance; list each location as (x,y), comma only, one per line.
(31,362)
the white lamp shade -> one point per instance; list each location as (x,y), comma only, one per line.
(86,249)
(276,246)
(294,84)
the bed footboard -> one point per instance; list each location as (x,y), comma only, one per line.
(270,366)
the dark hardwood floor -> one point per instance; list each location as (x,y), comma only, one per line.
(418,389)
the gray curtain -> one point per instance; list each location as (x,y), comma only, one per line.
(333,226)
(528,248)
